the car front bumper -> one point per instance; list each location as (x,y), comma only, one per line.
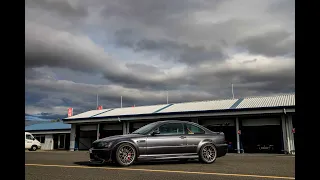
(221,150)
(100,155)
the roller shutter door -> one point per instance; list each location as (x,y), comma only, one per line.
(217,122)
(88,127)
(139,124)
(112,126)
(261,122)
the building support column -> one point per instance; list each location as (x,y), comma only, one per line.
(128,127)
(290,135)
(284,133)
(124,127)
(238,136)
(98,131)
(287,135)
(72,137)
(288,139)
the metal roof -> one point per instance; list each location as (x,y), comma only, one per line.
(271,101)
(132,111)
(88,114)
(47,126)
(227,104)
(199,106)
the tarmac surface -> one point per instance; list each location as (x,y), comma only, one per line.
(55,165)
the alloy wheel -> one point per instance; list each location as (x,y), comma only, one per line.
(209,153)
(126,154)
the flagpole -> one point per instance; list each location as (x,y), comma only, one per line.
(167,97)
(232,91)
(97,101)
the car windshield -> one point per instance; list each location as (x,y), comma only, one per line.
(145,129)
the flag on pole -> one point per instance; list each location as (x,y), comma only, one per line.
(99,107)
(70,112)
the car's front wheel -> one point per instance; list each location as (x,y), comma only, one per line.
(208,153)
(125,154)
(33,148)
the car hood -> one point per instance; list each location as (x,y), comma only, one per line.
(117,137)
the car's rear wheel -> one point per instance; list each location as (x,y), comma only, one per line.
(208,153)
(125,154)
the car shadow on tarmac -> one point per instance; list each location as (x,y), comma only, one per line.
(88,163)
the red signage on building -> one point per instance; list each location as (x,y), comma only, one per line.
(70,112)
(99,107)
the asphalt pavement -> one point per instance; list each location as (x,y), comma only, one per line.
(53,165)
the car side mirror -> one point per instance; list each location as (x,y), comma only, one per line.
(155,132)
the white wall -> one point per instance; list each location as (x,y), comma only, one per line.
(48,142)
(72,137)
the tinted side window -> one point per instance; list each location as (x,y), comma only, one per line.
(171,129)
(191,129)
(29,137)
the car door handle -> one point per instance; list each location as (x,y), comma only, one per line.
(182,137)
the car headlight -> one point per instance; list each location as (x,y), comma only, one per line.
(105,144)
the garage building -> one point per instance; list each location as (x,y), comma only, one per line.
(52,136)
(252,124)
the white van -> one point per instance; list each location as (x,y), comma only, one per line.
(31,143)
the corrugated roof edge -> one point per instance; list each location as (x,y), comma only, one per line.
(234,108)
(182,112)
(217,110)
(234,105)
(162,108)
(102,112)
(47,126)
(269,96)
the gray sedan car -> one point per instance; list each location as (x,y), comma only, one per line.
(161,140)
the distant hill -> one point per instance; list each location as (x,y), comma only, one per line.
(43,117)
(30,122)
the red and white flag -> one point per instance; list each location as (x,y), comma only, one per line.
(70,112)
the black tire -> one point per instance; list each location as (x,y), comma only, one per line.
(125,154)
(33,148)
(208,153)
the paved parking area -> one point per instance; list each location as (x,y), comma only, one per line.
(74,165)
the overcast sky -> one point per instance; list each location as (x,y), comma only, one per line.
(138,49)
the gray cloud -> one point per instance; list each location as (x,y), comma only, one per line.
(139,49)
(54,48)
(141,68)
(169,49)
(277,43)
(153,13)
(68,93)
(60,7)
